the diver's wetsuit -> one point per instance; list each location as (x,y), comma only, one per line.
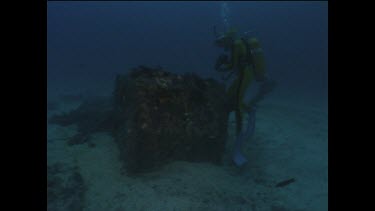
(241,61)
(238,104)
(248,66)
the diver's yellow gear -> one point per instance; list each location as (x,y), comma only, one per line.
(239,86)
(239,62)
(248,60)
(238,53)
(240,57)
(231,32)
(237,92)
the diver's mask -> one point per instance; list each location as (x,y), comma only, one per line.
(226,39)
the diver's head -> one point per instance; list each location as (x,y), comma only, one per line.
(226,40)
(254,43)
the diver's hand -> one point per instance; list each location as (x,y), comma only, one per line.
(221,60)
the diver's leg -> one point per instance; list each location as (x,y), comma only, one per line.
(244,83)
(248,77)
(238,121)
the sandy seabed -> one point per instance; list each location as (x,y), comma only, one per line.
(290,141)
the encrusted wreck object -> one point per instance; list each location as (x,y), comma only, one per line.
(163,117)
(156,117)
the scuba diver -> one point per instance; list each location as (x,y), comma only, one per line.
(246,61)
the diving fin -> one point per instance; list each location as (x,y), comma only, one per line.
(238,158)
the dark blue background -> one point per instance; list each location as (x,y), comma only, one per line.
(89,42)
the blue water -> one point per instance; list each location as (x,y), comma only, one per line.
(88,43)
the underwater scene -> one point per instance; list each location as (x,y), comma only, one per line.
(191,105)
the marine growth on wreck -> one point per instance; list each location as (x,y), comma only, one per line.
(156,117)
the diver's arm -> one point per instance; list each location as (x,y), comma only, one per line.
(234,56)
(221,60)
